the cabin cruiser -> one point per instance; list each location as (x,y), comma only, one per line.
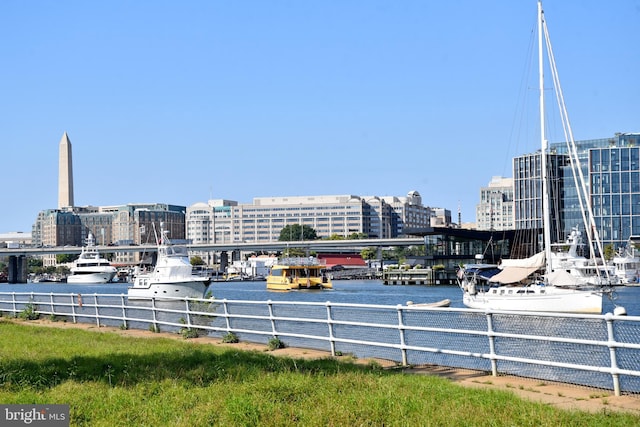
(172,276)
(90,267)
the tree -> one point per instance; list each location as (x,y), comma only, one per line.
(357,236)
(609,252)
(65,258)
(34,262)
(62,270)
(295,232)
(369,253)
(196,260)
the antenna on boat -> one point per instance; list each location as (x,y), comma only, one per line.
(155,232)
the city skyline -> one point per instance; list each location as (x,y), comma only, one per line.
(184,103)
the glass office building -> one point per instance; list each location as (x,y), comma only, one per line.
(611,168)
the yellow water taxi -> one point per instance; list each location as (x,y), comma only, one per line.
(298,273)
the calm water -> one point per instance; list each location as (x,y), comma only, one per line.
(345,291)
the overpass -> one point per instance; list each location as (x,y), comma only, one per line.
(18,265)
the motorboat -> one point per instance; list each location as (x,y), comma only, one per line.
(90,267)
(626,263)
(566,256)
(549,281)
(442,303)
(172,275)
(298,273)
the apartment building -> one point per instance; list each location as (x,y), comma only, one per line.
(496,208)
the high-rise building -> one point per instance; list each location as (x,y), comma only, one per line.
(611,166)
(65,173)
(495,210)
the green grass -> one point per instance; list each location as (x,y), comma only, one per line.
(112,380)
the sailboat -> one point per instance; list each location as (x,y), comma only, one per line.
(541,283)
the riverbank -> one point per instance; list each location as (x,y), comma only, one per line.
(557,395)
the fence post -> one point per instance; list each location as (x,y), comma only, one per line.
(186,307)
(73,307)
(403,348)
(492,344)
(612,353)
(226,315)
(53,308)
(153,312)
(273,321)
(13,303)
(95,303)
(332,341)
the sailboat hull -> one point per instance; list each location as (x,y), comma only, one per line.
(536,298)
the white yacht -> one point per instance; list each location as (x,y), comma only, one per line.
(627,263)
(565,256)
(172,275)
(90,267)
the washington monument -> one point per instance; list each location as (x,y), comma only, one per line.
(65,174)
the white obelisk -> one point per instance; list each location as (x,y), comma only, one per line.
(65,174)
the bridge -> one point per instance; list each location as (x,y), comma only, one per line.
(18,265)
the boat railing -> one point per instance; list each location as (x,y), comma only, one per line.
(302,261)
(600,351)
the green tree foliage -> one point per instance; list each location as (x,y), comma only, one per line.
(196,260)
(62,270)
(399,253)
(295,232)
(65,258)
(369,253)
(609,252)
(358,236)
(34,262)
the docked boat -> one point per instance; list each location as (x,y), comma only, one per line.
(298,273)
(90,267)
(627,263)
(172,276)
(548,281)
(566,256)
(442,303)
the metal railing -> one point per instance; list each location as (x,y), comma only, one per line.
(600,351)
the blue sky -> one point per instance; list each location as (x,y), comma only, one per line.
(178,102)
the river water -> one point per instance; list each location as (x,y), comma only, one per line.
(344,291)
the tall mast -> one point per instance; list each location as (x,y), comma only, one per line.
(546,217)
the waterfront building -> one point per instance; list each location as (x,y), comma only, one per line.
(111,225)
(209,222)
(611,167)
(496,208)
(223,221)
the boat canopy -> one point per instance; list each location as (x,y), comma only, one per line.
(515,270)
(513,274)
(536,261)
(562,278)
